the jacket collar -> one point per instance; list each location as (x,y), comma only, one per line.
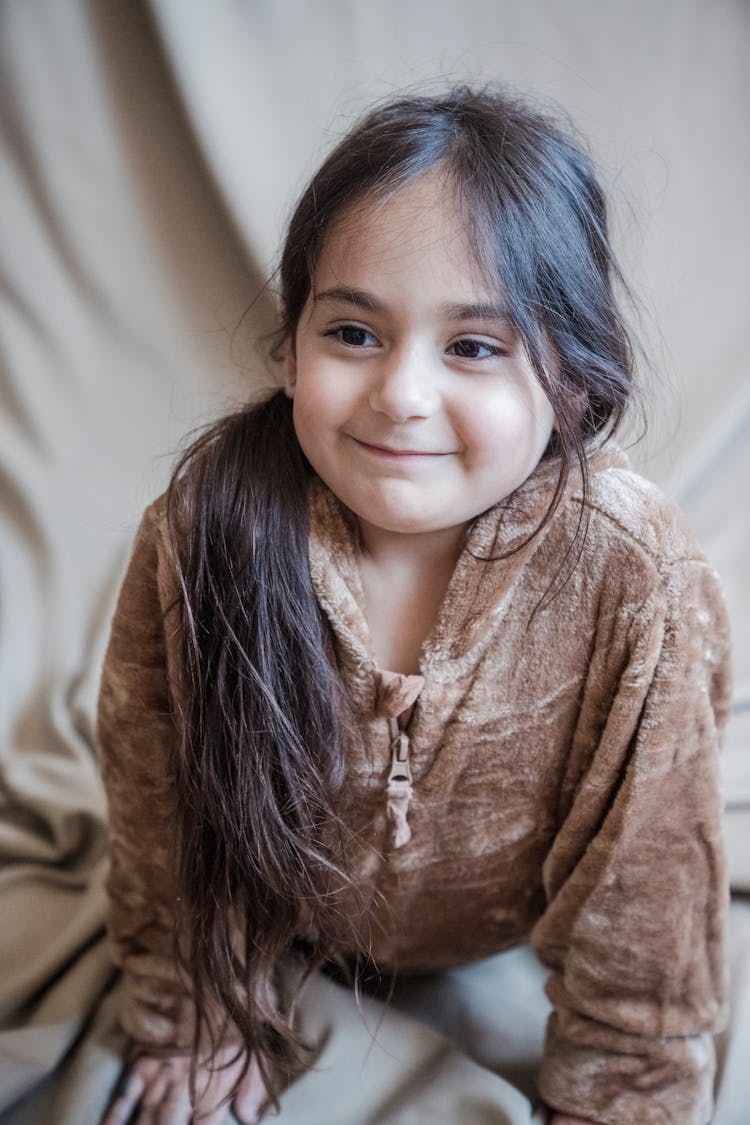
(500,544)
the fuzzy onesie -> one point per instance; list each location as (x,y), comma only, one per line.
(558,780)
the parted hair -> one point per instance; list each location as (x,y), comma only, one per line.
(264,728)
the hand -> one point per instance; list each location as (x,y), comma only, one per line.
(157,1092)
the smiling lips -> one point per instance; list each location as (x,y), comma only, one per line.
(388,451)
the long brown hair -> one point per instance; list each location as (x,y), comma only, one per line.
(264,727)
(262,711)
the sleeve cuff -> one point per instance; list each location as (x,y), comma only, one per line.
(654,1081)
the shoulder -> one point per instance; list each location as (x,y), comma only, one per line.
(638,557)
(156,515)
(152,537)
(149,579)
(636,538)
(626,510)
(644,571)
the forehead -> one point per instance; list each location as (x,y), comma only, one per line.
(421,227)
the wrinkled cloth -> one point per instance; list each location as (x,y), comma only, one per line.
(565,783)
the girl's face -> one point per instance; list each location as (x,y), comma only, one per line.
(414,400)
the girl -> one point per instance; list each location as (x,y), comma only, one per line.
(408,665)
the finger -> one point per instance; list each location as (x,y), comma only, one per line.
(122,1108)
(176,1108)
(217,1116)
(212,1106)
(248,1116)
(155,1090)
(251,1097)
(251,1116)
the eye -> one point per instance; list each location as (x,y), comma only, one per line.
(469,348)
(352,336)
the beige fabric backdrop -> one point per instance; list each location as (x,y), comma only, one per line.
(150,154)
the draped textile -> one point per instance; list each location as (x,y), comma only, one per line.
(150,154)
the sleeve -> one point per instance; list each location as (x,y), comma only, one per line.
(136,739)
(635,881)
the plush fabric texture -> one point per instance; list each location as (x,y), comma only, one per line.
(564,783)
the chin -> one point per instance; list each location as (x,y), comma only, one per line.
(407,523)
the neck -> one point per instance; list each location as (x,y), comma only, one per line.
(404,579)
(395,551)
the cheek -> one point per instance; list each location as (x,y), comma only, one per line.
(314,399)
(322,391)
(513,420)
(322,411)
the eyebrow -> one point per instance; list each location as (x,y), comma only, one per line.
(356,297)
(363,300)
(476,312)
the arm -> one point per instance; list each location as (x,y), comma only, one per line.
(636,882)
(137,738)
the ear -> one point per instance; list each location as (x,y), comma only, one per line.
(290,367)
(288,352)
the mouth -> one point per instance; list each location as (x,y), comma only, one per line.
(388,451)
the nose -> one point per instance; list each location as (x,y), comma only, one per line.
(405,385)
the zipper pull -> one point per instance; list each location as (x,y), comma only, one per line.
(399,791)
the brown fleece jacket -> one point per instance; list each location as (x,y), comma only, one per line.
(564,783)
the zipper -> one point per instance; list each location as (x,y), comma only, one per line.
(399,791)
(395,699)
